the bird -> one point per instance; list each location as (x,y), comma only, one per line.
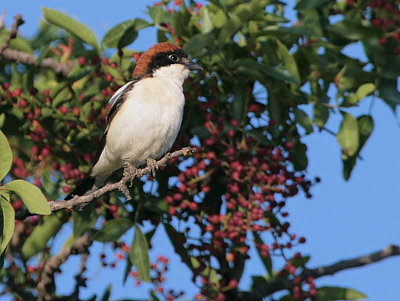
(145,116)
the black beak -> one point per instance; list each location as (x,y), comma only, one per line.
(193,66)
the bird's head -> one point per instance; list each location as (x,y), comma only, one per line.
(164,59)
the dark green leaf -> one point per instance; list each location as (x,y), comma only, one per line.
(5,156)
(267,261)
(331,293)
(81,31)
(300,156)
(304,120)
(8,222)
(389,92)
(112,37)
(177,240)
(107,294)
(33,198)
(84,220)
(321,115)
(139,255)
(310,4)
(113,230)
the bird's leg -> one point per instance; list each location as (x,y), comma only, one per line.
(153,166)
(129,170)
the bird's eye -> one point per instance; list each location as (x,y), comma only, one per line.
(173,57)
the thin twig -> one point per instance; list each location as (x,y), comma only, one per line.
(18,21)
(276,285)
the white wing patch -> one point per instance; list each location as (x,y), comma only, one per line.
(117,94)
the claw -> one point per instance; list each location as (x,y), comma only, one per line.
(153,166)
(129,170)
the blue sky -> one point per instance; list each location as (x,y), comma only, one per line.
(342,220)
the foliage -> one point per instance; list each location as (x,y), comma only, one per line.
(31,196)
(268,83)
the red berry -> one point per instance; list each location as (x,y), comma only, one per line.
(22,103)
(17,205)
(63,110)
(82,60)
(108,77)
(233,283)
(75,110)
(383,41)
(17,93)
(66,189)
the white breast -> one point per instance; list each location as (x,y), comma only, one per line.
(146,125)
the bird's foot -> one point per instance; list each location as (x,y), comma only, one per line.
(129,171)
(153,166)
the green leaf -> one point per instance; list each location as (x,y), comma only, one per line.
(362,91)
(230,28)
(304,120)
(288,60)
(5,156)
(206,21)
(365,128)
(2,120)
(121,35)
(354,30)
(198,44)
(332,293)
(42,233)
(348,135)
(69,24)
(266,261)
(219,18)
(139,255)
(321,115)
(33,198)
(113,230)
(310,4)
(8,222)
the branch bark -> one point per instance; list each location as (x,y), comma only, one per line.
(46,284)
(26,58)
(130,174)
(281,284)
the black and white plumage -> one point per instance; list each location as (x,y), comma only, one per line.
(146,114)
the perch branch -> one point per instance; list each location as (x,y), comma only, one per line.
(130,174)
(281,284)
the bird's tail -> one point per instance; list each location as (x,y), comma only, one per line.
(86,186)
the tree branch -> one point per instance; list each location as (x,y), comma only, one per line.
(46,284)
(26,58)
(130,174)
(18,21)
(281,284)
